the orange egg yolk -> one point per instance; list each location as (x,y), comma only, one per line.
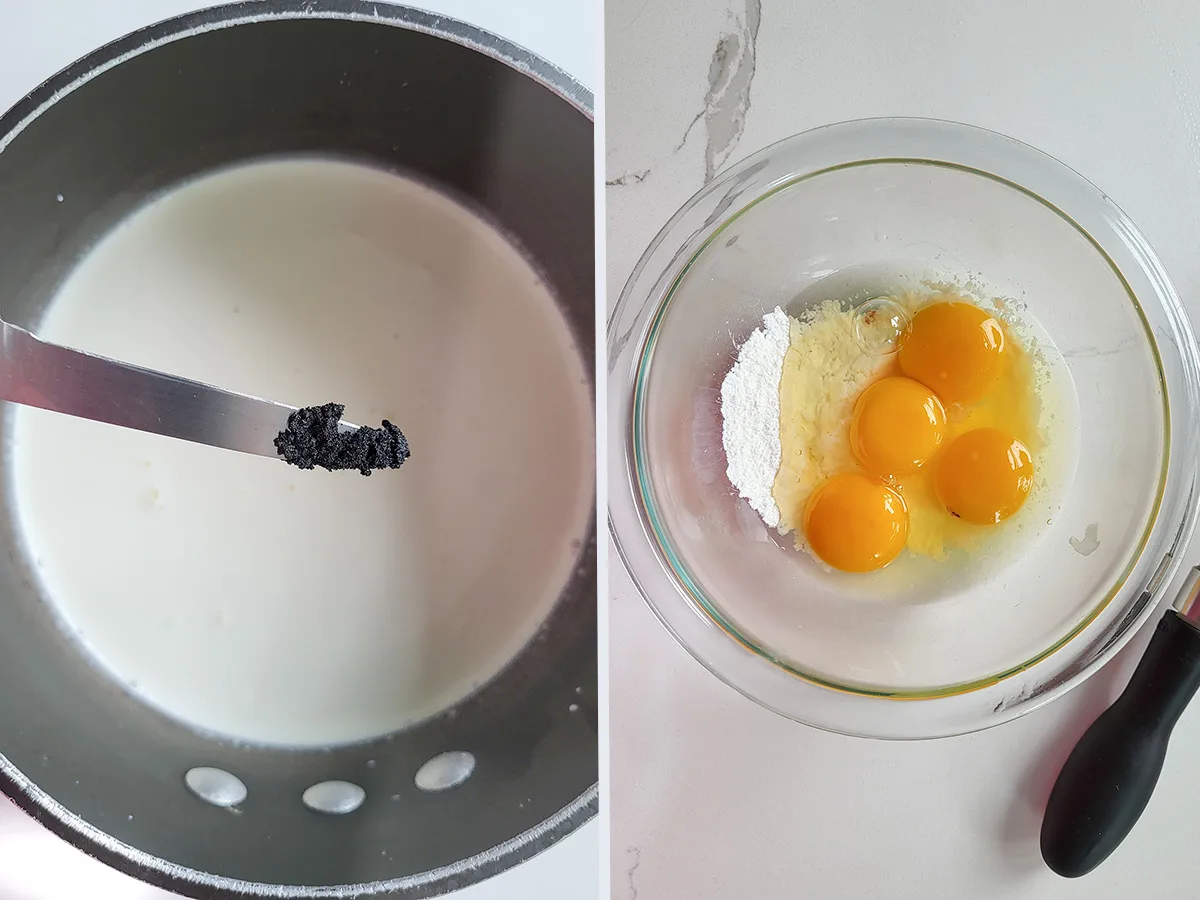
(856,524)
(897,426)
(984,476)
(955,349)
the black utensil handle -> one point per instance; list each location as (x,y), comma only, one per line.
(1107,780)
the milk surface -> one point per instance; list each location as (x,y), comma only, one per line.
(251,599)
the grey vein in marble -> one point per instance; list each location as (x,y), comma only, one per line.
(636,853)
(1126,343)
(730,77)
(628,178)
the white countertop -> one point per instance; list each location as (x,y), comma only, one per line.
(714,797)
(38,39)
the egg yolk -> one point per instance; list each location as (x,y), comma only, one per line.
(984,476)
(955,349)
(897,426)
(856,524)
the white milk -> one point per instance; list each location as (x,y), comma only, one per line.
(269,604)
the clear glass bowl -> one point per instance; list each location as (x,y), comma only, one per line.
(859,209)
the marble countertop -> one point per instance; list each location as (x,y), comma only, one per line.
(36,40)
(715,797)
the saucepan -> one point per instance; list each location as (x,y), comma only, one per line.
(398,89)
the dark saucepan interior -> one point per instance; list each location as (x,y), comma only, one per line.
(383,93)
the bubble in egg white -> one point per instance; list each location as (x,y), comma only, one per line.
(881,325)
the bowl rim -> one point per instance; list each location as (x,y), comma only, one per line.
(15,784)
(627,412)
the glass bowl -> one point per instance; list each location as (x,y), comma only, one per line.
(856,210)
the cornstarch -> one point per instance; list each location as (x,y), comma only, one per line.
(750,414)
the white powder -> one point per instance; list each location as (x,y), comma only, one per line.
(750,413)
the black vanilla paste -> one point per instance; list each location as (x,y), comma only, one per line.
(312,439)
